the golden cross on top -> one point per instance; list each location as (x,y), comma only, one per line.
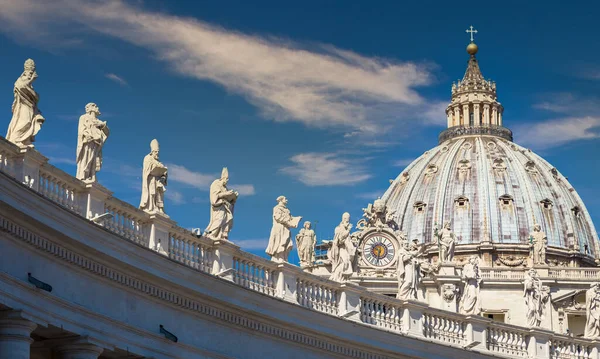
(472,31)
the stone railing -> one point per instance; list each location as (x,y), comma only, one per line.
(288,282)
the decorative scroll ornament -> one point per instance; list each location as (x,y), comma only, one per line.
(449,292)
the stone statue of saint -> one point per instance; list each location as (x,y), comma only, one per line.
(280,240)
(539,241)
(592,307)
(408,270)
(221,208)
(470,300)
(27,120)
(92,133)
(342,251)
(536,296)
(306,241)
(154,181)
(445,241)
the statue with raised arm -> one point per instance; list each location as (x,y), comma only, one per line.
(154,181)
(221,207)
(470,301)
(280,240)
(306,241)
(27,119)
(342,251)
(445,242)
(592,308)
(92,133)
(539,241)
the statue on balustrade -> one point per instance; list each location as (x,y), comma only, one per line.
(445,241)
(222,201)
(536,296)
(343,251)
(27,119)
(306,241)
(539,242)
(408,270)
(592,306)
(280,240)
(470,300)
(154,181)
(92,133)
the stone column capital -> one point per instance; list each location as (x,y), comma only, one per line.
(78,348)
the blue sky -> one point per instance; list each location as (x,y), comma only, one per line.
(322,101)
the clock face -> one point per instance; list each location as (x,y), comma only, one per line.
(379,250)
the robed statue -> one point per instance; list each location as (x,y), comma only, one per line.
(280,240)
(470,299)
(536,296)
(222,200)
(26,119)
(306,240)
(539,242)
(154,181)
(445,241)
(408,270)
(92,133)
(592,310)
(343,251)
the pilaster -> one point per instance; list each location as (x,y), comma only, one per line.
(412,323)
(448,282)
(94,199)
(15,335)
(27,167)
(349,301)
(224,252)
(160,225)
(476,332)
(539,343)
(287,287)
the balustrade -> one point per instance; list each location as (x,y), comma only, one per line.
(61,188)
(318,295)
(509,274)
(444,328)
(254,273)
(507,340)
(381,313)
(570,348)
(127,221)
(186,248)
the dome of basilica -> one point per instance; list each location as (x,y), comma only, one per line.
(488,188)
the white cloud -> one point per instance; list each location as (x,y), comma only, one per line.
(202,181)
(323,87)
(371,196)
(325,169)
(403,162)
(116,79)
(250,244)
(176,197)
(558,132)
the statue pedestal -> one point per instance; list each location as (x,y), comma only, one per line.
(448,283)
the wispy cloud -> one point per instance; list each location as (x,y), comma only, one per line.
(371,196)
(65,160)
(175,197)
(202,181)
(318,85)
(325,169)
(568,103)
(402,162)
(116,79)
(251,244)
(558,132)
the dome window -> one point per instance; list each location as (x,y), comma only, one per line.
(506,201)
(546,203)
(499,165)
(419,206)
(530,167)
(431,170)
(461,202)
(576,211)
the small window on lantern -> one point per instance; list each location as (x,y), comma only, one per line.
(506,200)
(461,202)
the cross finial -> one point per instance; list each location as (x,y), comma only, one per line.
(472,31)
